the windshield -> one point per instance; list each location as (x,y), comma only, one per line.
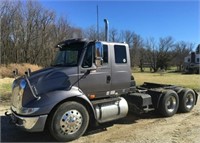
(69,55)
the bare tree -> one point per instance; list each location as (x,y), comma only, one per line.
(182,49)
(127,37)
(136,51)
(91,33)
(28,31)
(114,37)
(166,45)
(8,14)
(151,54)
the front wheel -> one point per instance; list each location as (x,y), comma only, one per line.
(169,103)
(69,121)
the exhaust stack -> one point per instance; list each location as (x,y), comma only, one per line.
(106,30)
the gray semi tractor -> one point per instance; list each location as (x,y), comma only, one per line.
(90,83)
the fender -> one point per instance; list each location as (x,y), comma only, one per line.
(49,100)
(196,96)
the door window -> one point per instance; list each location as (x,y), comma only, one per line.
(120,54)
(89,56)
(105,54)
(88,59)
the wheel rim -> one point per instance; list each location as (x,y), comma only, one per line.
(171,104)
(189,101)
(71,122)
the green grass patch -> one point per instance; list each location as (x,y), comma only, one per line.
(5,89)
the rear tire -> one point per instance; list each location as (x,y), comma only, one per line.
(169,103)
(187,100)
(69,121)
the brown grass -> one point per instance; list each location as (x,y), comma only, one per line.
(7,70)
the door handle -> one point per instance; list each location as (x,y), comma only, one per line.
(108,79)
(83,71)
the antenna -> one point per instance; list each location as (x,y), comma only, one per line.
(106,30)
(97,22)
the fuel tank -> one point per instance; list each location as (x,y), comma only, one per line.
(110,111)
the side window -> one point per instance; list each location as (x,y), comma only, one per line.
(197,60)
(89,58)
(87,61)
(105,54)
(120,54)
(188,60)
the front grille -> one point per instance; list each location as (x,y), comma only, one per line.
(16,99)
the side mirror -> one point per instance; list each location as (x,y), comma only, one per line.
(98,54)
(15,73)
(99,61)
(28,72)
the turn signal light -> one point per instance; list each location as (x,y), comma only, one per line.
(92,96)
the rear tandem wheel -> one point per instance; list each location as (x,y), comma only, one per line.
(187,99)
(169,103)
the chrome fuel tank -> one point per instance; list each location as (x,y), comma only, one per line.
(111,111)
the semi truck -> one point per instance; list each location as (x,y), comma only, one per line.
(192,62)
(90,83)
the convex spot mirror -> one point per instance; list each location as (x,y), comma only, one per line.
(98,54)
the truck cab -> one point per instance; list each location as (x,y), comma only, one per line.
(108,63)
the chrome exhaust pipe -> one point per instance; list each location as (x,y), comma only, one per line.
(106,30)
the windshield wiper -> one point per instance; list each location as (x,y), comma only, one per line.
(56,65)
(63,65)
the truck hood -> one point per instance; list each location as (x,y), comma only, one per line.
(49,79)
(44,81)
(41,72)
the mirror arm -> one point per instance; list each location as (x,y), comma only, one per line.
(83,76)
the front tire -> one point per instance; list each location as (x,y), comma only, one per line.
(169,103)
(69,121)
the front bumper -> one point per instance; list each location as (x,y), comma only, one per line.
(30,124)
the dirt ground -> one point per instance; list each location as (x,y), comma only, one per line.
(146,128)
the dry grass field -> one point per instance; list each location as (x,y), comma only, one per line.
(7,70)
(190,81)
(185,80)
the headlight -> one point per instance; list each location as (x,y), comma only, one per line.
(28,111)
(22,83)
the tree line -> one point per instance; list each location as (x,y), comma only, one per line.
(29,32)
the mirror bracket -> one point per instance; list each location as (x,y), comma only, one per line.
(98,54)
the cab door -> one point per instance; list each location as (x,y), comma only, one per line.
(98,82)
